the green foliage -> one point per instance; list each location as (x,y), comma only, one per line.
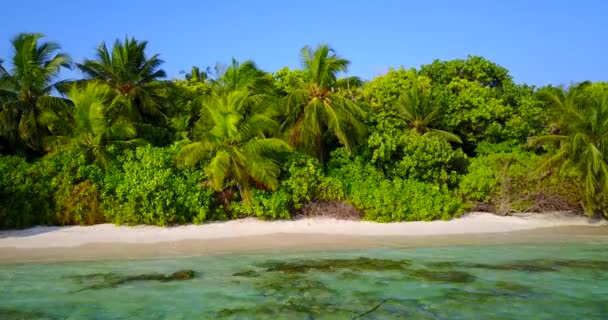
(144,187)
(417,108)
(80,205)
(408,145)
(473,69)
(98,121)
(581,118)
(526,116)
(264,205)
(502,179)
(45,191)
(303,180)
(315,111)
(383,91)
(128,71)
(286,81)
(155,135)
(481,103)
(471,109)
(25,193)
(196,75)
(26,92)
(429,158)
(242,156)
(406,154)
(244,76)
(76,186)
(386,200)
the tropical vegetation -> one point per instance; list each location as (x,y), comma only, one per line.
(126,145)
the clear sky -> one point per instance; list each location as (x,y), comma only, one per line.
(539,41)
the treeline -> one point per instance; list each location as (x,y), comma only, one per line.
(125,145)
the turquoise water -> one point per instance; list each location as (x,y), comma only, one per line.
(566,281)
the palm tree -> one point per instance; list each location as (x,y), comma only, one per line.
(241,155)
(98,121)
(196,74)
(2,70)
(314,109)
(243,76)
(582,134)
(130,73)
(25,92)
(416,107)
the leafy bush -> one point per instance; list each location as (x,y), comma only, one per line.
(157,136)
(386,200)
(144,187)
(43,192)
(303,181)
(383,91)
(77,191)
(81,206)
(25,193)
(501,180)
(265,205)
(407,155)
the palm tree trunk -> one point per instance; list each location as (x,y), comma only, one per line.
(321,149)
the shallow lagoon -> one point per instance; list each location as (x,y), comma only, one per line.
(550,281)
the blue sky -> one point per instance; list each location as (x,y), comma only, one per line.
(540,41)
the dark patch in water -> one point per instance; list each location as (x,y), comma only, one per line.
(289,296)
(246,273)
(111,280)
(583,264)
(331,265)
(442,276)
(526,265)
(511,289)
(290,289)
(10,314)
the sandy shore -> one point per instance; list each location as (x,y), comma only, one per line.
(109,241)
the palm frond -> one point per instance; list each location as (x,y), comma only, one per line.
(218,169)
(447,135)
(191,154)
(264,171)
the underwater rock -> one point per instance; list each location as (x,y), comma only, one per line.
(442,276)
(601,265)
(290,295)
(330,265)
(111,280)
(10,314)
(523,266)
(180,275)
(526,265)
(512,289)
(246,273)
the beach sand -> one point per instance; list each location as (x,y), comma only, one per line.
(107,241)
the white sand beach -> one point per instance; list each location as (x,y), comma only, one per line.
(111,241)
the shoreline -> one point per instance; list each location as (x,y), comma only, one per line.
(106,241)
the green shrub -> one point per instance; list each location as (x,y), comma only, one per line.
(81,206)
(302,181)
(25,193)
(265,205)
(144,187)
(502,179)
(386,200)
(77,190)
(408,155)
(37,193)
